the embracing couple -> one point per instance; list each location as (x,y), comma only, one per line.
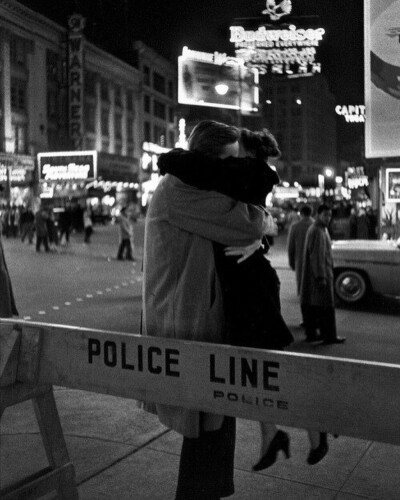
(207,279)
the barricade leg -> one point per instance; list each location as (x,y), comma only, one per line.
(60,475)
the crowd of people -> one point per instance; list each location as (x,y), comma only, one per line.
(48,229)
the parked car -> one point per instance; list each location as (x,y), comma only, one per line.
(364,267)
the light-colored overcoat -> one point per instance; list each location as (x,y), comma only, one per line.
(317,264)
(7,302)
(181,291)
(295,247)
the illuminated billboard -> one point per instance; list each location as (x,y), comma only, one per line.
(216,80)
(68,166)
(382,77)
(279,50)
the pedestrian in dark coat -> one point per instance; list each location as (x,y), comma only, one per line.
(65,223)
(296,240)
(295,246)
(27,224)
(317,294)
(362,225)
(42,235)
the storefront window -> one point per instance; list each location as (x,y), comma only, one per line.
(118,126)
(51,104)
(118,148)
(171,139)
(105,126)
(147,103)
(158,82)
(18,95)
(104,92)
(129,129)
(90,113)
(18,51)
(146,72)
(159,109)
(117,96)
(159,135)
(170,90)
(129,100)
(52,65)
(19,137)
(147,132)
(90,83)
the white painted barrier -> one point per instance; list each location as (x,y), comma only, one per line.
(340,396)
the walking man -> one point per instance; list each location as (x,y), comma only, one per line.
(126,233)
(316,293)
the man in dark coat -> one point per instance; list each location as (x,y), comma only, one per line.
(296,240)
(316,293)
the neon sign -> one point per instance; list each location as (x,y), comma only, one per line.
(285,50)
(75,74)
(356,177)
(352,113)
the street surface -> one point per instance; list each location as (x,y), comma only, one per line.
(84,285)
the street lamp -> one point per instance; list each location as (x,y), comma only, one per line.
(221,88)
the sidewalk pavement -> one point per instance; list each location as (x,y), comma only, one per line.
(122,453)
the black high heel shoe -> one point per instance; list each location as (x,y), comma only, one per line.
(279,442)
(317,454)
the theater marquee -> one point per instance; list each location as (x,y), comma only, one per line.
(68,166)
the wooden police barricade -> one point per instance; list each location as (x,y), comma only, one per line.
(340,396)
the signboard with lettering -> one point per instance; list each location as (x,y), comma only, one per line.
(67,166)
(75,72)
(355,177)
(216,80)
(393,185)
(340,397)
(19,167)
(382,78)
(117,168)
(352,113)
(280,50)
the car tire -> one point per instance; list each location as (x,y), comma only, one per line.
(351,286)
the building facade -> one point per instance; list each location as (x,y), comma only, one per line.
(301,114)
(61,94)
(158,113)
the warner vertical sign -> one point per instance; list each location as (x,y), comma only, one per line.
(75,79)
(382,78)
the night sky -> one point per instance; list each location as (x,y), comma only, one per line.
(168,25)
